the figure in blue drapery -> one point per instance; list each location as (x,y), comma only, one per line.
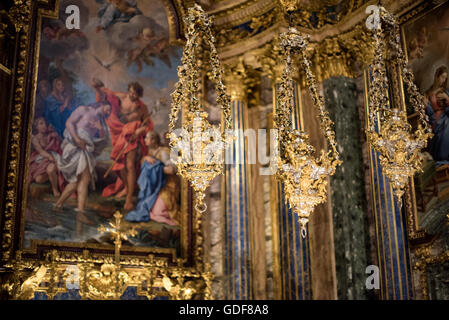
(438,111)
(58,107)
(159,185)
(151,180)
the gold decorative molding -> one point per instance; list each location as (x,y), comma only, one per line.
(413,231)
(236,79)
(241,12)
(5,69)
(172,21)
(21,23)
(324,12)
(258,23)
(102,278)
(232,19)
(335,56)
(105,277)
(267,57)
(17,16)
(344,55)
(343,34)
(314,15)
(423,260)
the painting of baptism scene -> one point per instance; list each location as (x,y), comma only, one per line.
(428,51)
(98,132)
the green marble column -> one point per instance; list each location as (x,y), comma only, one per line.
(349,210)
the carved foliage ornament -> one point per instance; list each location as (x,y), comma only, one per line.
(17,16)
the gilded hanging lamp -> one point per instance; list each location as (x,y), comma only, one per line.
(200,145)
(303,175)
(388,130)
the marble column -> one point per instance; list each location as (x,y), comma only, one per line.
(349,209)
(291,252)
(236,199)
(391,233)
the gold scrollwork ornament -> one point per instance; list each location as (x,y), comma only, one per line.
(17,16)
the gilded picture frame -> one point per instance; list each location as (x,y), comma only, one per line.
(417,48)
(25,87)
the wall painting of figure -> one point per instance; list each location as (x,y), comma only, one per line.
(426,40)
(98,129)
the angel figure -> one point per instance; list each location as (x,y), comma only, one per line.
(113,11)
(146,45)
(162,50)
(142,41)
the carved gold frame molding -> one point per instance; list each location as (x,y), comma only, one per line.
(244,28)
(425,256)
(14,152)
(21,135)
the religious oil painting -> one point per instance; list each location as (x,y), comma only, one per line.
(98,130)
(426,40)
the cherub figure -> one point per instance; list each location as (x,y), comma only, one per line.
(113,11)
(142,41)
(415,51)
(417,44)
(163,51)
(146,45)
(60,33)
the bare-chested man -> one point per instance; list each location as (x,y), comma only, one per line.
(128,124)
(85,137)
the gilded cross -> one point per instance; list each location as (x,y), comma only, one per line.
(119,234)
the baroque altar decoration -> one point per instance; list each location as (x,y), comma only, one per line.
(388,130)
(303,175)
(99,278)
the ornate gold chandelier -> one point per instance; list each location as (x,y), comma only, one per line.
(304,176)
(388,130)
(200,145)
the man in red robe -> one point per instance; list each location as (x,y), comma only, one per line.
(128,124)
